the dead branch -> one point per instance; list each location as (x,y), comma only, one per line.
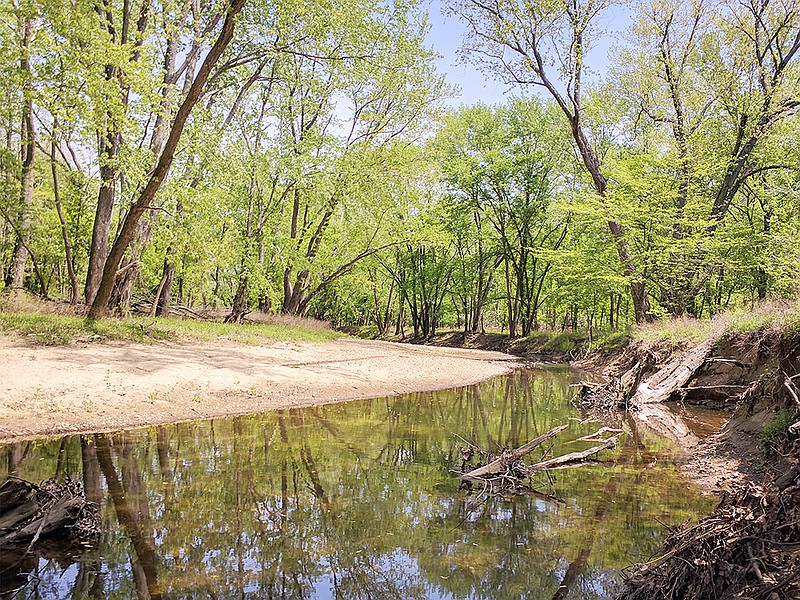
(52,512)
(507,472)
(509,457)
(572,458)
(729,361)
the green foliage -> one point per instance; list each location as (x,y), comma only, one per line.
(560,342)
(323,148)
(774,431)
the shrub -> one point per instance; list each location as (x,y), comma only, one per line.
(775,430)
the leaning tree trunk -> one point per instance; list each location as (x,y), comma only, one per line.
(99,307)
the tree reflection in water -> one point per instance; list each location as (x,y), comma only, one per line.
(358,500)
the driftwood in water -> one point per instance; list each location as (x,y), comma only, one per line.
(52,512)
(508,459)
(510,468)
(573,458)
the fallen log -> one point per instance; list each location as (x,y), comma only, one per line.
(676,373)
(644,396)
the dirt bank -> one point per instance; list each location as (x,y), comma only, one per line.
(78,388)
(750,546)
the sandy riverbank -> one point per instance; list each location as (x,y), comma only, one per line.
(79,388)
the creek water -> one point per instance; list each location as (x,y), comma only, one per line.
(357,500)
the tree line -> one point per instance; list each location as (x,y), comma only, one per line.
(298,157)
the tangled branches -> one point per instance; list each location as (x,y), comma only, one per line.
(52,513)
(507,471)
(748,548)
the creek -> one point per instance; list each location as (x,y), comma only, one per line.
(358,500)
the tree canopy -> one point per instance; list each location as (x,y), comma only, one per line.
(298,157)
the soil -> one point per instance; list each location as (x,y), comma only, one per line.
(48,391)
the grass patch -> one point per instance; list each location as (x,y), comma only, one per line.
(780,318)
(560,342)
(54,330)
(783,317)
(775,430)
(614,340)
(295,329)
(547,342)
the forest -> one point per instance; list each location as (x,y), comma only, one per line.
(301,157)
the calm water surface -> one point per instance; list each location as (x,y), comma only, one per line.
(357,500)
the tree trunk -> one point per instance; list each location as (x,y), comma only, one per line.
(168,277)
(126,277)
(28,143)
(75,292)
(101,230)
(99,307)
(239,309)
(295,303)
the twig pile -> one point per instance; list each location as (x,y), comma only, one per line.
(748,548)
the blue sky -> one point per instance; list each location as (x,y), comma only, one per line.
(445,37)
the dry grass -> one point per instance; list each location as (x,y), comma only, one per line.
(780,317)
(22,302)
(288,321)
(675,332)
(773,318)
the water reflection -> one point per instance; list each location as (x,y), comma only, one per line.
(357,500)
